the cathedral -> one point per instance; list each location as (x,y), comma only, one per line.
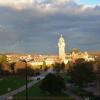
(62,56)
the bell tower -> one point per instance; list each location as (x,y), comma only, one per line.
(61,45)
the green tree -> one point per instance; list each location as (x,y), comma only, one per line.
(97,72)
(22,71)
(80,61)
(52,83)
(44,66)
(81,73)
(62,66)
(76,50)
(59,67)
(12,67)
(3,60)
(56,67)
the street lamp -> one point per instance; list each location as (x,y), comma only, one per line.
(26,78)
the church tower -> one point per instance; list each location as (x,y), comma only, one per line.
(61,45)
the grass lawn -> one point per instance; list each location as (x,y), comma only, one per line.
(12,82)
(35,91)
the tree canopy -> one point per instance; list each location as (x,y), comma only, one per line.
(81,73)
(53,84)
(59,67)
(3,58)
(76,50)
(3,62)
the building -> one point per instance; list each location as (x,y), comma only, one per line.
(61,45)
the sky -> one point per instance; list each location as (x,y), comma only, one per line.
(88,2)
(34,26)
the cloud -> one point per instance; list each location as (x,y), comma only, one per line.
(36,28)
(48,7)
(18,4)
(42,5)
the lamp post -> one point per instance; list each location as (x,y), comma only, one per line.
(26,79)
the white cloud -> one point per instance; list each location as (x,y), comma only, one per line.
(19,4)
(46,6)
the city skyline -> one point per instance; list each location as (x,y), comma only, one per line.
(34,26)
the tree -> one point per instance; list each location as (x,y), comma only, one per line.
(22,71)
(12,67)
(79,61)
(44,66)
(56,67)
(3,58)
(53,84)
(62,66)
(3,63)
(59,67)
(81,73)
(76,50)
(97,72)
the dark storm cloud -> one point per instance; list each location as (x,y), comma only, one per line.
(34,30)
